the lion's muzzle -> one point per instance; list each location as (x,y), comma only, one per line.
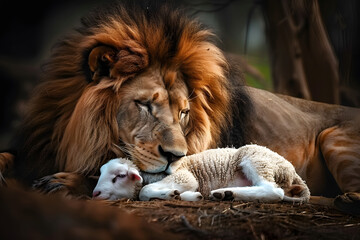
(172,155)
(154,155)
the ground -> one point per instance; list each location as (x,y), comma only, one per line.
(26,214)
(235,220)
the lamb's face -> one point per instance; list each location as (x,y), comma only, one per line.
(117,180)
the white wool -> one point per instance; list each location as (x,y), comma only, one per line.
(250,173)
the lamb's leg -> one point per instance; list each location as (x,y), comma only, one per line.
(171,187)
(264,192)
(191,196)
(158,191)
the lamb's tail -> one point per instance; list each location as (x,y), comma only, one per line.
(299,191)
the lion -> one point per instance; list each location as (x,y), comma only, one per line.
(145,81)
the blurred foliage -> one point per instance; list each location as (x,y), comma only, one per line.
(263,65)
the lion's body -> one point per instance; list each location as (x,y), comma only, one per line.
(295,129)
(154,71)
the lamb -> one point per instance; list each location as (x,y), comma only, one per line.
(250,173)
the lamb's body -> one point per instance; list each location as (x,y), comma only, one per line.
(213,169)
(250,173)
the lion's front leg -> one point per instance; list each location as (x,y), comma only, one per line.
(68,184)
(174,186)
(340,146)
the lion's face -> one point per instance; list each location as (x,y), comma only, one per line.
(152,120)
(151,87)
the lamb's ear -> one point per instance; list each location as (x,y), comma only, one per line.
(101,59)
(134,175)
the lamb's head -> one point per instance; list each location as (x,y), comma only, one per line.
(119,178)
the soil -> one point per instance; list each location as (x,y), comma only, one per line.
(32,215)
(245,220)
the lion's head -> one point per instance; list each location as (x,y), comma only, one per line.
(142,81)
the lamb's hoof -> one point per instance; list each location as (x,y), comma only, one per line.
(222,195)
(175,195)
(228,195)
(217,196)
(348,202)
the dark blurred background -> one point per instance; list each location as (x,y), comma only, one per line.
(29,30)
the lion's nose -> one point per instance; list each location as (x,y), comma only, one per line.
(171,155)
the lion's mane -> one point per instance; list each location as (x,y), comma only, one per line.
(71,123)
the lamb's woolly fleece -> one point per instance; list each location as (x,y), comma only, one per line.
(223,168)
(215,168)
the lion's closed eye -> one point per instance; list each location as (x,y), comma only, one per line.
(144,106)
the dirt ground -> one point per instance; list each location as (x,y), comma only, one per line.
(31,215)
(240,220)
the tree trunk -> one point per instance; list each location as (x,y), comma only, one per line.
(303,61)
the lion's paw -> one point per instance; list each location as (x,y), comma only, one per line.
(348,202)
(68,184)
(221,195)
(48,184)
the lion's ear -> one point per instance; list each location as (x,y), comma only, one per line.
(101,59)
(107,61)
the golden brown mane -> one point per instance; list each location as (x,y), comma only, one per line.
(72,119)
